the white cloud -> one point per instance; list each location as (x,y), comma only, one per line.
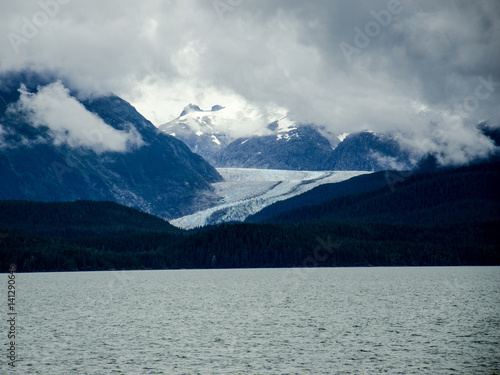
(448,138)
(389,162)
(161,55)
(69,121)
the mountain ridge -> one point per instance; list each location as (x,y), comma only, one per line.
(100,149)
(285,144)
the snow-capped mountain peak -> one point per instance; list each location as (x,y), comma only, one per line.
(189,109)
(286,125)
(282,128)
(202,130)
(193,108)
(284,144)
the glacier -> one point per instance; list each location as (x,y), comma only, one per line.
(245,191)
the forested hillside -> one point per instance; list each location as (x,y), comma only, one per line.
(78,219)
(442,218)
(253,245)
(463,195)
(355,185)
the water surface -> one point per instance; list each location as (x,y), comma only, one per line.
(259,321)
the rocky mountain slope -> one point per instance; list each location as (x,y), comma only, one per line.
(56,145)
(199,130)
(285,144)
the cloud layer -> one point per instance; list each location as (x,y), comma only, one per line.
(70,123)
(384,65)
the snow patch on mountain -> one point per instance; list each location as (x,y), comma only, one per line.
(286,125)
(215,140)
(343,136)
(247,191)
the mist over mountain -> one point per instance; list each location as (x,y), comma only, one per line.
(370,151)
(56,146)
(285,144)
(428,76)
(298,148)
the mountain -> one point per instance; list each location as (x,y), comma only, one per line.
(286,146)
(200,130)
(304,147)
(323,193)
(492,132)
(289,147)
(58,145)
(460,195)
(369,151)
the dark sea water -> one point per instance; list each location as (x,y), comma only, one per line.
(258,321)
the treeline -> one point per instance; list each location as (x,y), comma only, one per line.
(260,245)
(78,219)
(446,218)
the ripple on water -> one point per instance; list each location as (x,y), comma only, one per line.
(268,321)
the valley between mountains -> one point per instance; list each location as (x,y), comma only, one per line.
(88,183)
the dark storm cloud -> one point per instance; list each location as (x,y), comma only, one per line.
(426,70)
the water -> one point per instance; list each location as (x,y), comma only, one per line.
(265,321)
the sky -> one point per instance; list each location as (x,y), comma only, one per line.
(427,71)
